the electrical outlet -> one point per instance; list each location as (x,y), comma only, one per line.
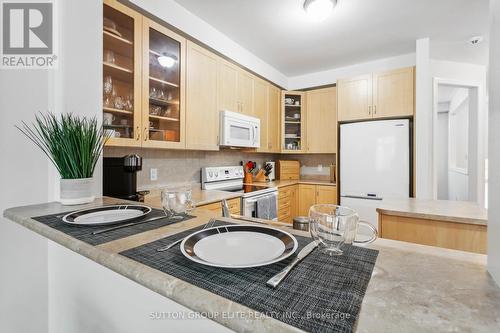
(320,167)
(153,174)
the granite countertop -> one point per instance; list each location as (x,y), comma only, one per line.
(414,287)
(441,210)
(283,183)
(200,197)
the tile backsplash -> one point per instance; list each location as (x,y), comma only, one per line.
(176,166)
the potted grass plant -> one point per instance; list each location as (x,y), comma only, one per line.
(73,144)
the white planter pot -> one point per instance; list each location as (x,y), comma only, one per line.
(77,191)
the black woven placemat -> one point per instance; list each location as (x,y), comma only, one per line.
(84,233)
(322,294)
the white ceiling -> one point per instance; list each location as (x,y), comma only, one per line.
(279,32)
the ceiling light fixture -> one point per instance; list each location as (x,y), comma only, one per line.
(319,10)
(167,60)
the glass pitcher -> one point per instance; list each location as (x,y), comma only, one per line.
(333,226)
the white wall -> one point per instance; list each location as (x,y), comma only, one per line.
(331,76)
(494,144)
(179,17)
(423,121)
(442,153)
(26,175)
(23,177)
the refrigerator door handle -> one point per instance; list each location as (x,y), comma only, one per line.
(367,197)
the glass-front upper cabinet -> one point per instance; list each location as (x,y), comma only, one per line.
(293,116)
(163,86)
(121,74)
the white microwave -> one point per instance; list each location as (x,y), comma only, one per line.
(238,130)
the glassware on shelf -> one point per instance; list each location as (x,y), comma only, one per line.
(152,92)
(155,110)
(108,85)
(118,102)
(109,57)
(128,103)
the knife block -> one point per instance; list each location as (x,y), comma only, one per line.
(260,176)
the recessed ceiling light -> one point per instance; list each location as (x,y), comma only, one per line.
(319,10)
(476,40)
(167,60)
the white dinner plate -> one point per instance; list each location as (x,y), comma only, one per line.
(239,246)
(106,215)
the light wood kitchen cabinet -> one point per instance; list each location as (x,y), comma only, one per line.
(227,86)
(261,111)
(163,90)
(245,93)
(122,75)
(307,198)
(354,98)
(216,207)
(322,120)
(274,126)
(378,95)
(310,195)
(294,201)
(393,93)
(293,118)
(202,116)
(287,203)
(326,194)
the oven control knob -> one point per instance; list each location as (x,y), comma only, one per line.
(216,174)
(210,174)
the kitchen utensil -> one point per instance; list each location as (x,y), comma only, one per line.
(177,199)
(301,223)
(333,226)
(106,215)
(276,280)
(124,121)
(239,246)
(297,103)
(98,232)
(210,224)
(289,100)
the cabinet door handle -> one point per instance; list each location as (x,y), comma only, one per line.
(145,134)
(369,110)
(374,109)
(138,130)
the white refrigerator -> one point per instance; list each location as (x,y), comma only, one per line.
(375,159)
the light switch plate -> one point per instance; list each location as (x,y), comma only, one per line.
(153,174)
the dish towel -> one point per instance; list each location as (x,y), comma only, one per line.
(273,209)
(262,208)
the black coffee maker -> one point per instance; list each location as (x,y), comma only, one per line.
(120,177)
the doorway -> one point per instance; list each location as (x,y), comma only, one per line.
(459,141)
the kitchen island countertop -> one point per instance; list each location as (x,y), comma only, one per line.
(440,210)
(414,288)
